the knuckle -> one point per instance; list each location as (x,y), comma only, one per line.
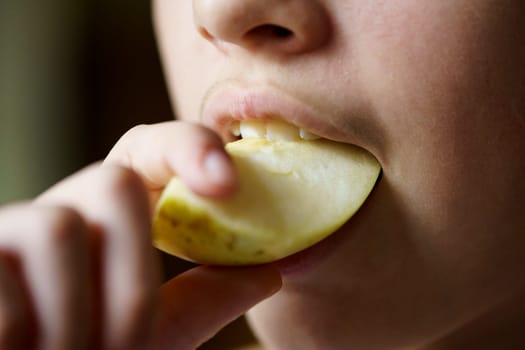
(58,224)
(134,134)
(46,225)
(119,154)
(118,181)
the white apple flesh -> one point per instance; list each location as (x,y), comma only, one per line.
(292,195)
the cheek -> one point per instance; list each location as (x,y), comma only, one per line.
(439,68)
(416,59)
(436,81)
(185,56)
(444,80)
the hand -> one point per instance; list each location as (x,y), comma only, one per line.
(80,263)
(77,269)
(200,302)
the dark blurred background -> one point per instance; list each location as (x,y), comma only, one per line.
(74,76)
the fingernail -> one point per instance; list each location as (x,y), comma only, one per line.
(218,167)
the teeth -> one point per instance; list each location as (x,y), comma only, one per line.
(252,129)
(306,135)
(272,131)
(279,131)
(235,128)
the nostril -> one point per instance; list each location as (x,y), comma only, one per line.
(268,32)
(262,33)
(282,27)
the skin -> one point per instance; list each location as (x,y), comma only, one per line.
(434,89)
(77,270)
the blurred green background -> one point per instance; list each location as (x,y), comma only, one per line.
(74,76)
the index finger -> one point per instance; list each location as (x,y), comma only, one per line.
(158,152)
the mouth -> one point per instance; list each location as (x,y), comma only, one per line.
(236,111)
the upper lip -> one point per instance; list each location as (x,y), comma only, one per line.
(230,101)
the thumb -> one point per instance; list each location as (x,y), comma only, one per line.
(195,305)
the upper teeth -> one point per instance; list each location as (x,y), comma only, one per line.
(272,131)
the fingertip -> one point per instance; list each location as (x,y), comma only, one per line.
(215,176)
(219,170)
(217,167)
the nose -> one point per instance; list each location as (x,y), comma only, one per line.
(283,26)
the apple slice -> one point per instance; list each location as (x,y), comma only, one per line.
(292,195)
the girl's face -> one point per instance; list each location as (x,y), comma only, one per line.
(434,89)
